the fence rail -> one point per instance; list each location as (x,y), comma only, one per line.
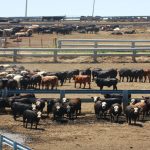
(16,146)
(62,93)
(16,53)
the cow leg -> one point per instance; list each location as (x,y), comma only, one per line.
(80,85)
(75,84)
(101,87)
(26,124)
(89,86)
(84,85)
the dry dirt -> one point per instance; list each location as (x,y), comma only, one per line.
(85,132)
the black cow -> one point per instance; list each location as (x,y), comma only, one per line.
(72,107)
(95,73)
(86,72)
(71,74)
(125,73)
(107,82)
(132,114)
(35,81)
(19,108)
(111,73)
(120,96)
(101,109)
(115,111)
(58,111)
(30,116)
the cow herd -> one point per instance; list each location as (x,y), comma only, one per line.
(17,77)
(31,109)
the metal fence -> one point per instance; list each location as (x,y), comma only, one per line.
(62,93)
(16,146)
(16,53)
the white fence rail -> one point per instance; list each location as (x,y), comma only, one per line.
(96,43)
(16,53)
(16,146)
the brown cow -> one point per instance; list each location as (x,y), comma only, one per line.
(49,80)
(141,105)
(82,79)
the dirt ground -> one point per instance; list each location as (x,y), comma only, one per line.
(85,132)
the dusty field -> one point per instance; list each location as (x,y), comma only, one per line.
(85,132)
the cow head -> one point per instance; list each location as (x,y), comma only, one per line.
(39,114)
(136,110)
(104,104)
(33,106)
(64,100)
(116,108)
(68,108)
(95,98)
(57,108)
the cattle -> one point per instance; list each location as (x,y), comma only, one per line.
(50,104)
(95,73)
(146,75)
(132,114)
(100,108)
(107,82)
(3,104)
(58,111)
(24,82)
(71,74)
(40,104)
(30,116)
(49,80)
(115,111)
(124,72)
(35,81)
(62,76)
(18,78)
(111,73)
(19,108)
(72,107)
(82,79)
(86,72)
(120,96)
(142,107)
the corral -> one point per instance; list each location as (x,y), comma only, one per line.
(85,132)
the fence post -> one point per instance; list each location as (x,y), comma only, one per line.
(95,52)
(59,44)
(1,142)
(15,146)
(62,94)
(134,52)
(55,43)
(15,56)
(55,55)
(125,99)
